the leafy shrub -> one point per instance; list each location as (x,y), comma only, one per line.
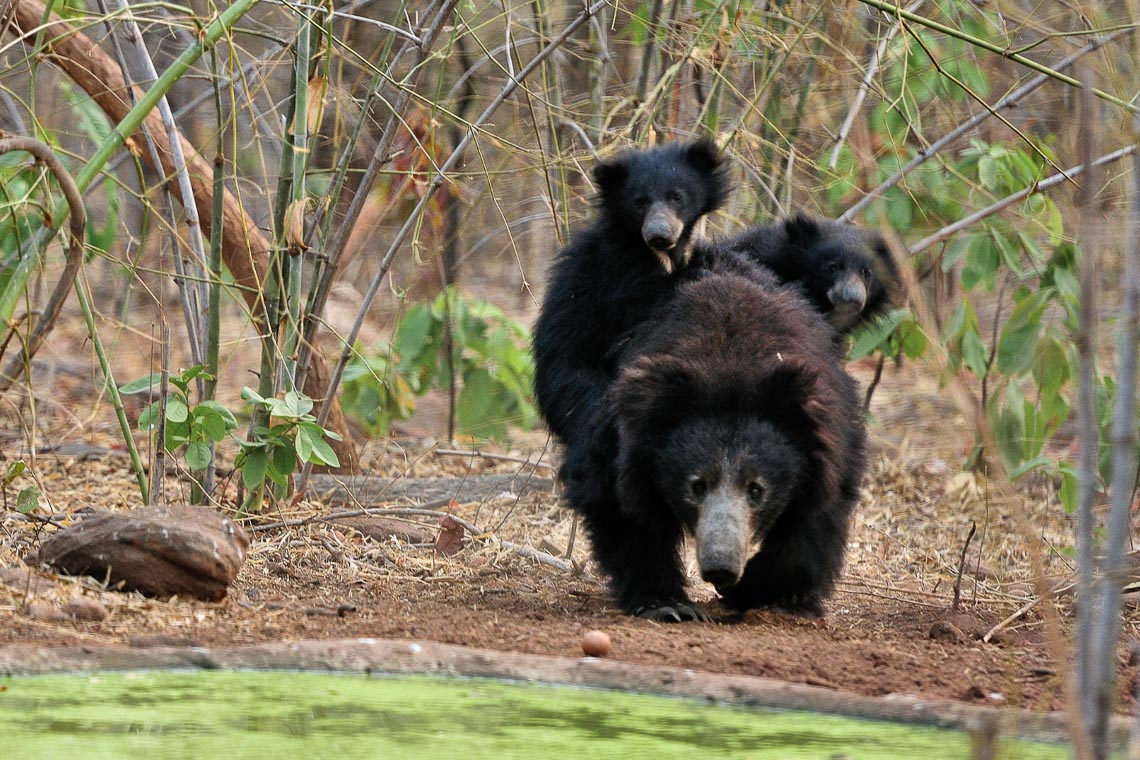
(193,427)
(490,359)
(1015,324)
(292,436)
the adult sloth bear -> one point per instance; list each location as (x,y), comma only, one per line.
(737,425)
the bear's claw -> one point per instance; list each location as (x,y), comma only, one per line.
(680,612)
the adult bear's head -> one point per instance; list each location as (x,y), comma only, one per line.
(727,455)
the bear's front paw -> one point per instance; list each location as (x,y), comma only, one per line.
(805,608)
(678,612)
(800,605)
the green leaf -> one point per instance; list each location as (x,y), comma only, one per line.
(218,411)
(253,467)
(14,470)
(176,410)
(148,418)
(1009,428)
(28,500)
(900,216)
(298,404)
(198,455)
(974,352)
(322,453)
(193,373)
(1006,252)
(912,339)
(982,260)
(1069,492)
(177,433)
(412,335)
(1017,345)
(1037,463)
(252,396)
(987,172)
(283,465)
(869,339)
(1029,245)
(474,409)
(1051,369)
(142,384)
(954,253)
(303,444)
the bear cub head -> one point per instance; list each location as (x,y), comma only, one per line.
(846,272)
(661,196)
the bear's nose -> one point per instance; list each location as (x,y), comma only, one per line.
(659,237)
(721,578)
(661,228)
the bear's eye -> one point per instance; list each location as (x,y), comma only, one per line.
(640,202)
(865,272)
(755,492)
(698,486)
(675,196)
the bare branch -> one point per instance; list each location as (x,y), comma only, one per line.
(78,226)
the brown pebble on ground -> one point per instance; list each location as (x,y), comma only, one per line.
(596,644)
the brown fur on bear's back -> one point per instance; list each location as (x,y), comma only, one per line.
(727,325)
(745,348)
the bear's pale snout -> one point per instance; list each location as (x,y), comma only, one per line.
(723,536)
(662,228)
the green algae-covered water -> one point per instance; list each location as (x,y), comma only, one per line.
(215,714)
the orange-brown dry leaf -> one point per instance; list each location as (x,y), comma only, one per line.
(449,540)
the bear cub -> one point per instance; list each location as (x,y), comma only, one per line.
(738,426)
(846,272)
(650,208)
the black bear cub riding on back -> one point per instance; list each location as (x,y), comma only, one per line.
(606,281)
(846,272)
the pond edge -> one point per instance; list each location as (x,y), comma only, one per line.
(402,657)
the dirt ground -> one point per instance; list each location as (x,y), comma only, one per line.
(890,629)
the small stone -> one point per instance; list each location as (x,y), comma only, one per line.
(982,572)
(944,630)
(596,644)
(46,612)
(85,608)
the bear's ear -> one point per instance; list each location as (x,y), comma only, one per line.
(801,230)
(650,391)
(709,162)
(789,394)
(611,175)
(704,156)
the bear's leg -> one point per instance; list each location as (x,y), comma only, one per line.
(798,562)
(642,560)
